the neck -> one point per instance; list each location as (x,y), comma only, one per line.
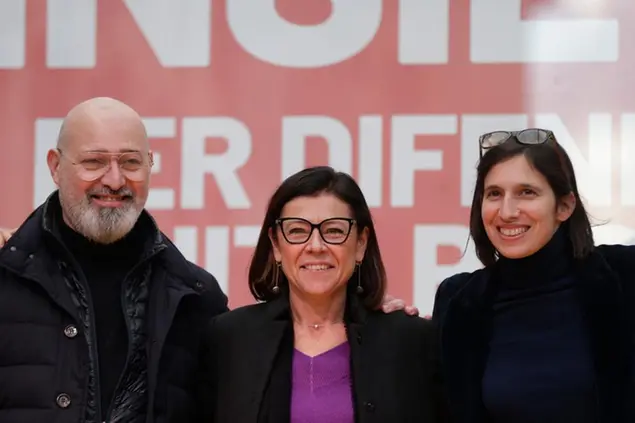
(127,248)
(313,310)
(551,262)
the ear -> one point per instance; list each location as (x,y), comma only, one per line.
(362,243)
(565,208)
(151,157)
(274,246)
(53,160)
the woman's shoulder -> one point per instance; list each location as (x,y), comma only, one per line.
(623,254)
(457,281)
(240,317)
(452,285)
(620,258)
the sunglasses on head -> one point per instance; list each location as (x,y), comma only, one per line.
(530,136)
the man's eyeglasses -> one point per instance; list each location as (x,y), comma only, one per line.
(296,230)
(92,165)
(531,136)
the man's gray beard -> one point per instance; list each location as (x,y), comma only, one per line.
(103,225)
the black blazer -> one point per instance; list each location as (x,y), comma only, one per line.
(607,294)
(247,376)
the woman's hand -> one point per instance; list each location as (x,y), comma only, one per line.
(5,234)
(391,304)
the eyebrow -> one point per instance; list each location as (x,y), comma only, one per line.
(521,186)
(103,150)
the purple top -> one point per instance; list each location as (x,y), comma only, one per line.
(321,387)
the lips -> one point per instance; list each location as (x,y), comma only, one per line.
(111,198)
(513,232)
(316,267)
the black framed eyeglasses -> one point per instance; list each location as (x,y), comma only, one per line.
(530,136)
(297,230)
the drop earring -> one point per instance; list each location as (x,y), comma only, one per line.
(276,275)
(359,289)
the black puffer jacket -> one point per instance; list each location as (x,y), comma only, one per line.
(48,362)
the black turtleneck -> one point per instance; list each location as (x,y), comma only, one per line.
(539,368)
(104,268)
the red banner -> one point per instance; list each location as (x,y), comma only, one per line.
(238,94)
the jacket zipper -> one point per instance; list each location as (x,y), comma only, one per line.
(122,298)
(93,330)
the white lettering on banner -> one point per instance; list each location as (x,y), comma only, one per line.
(594,174)
(405,159)
(186,240)
(424,32)
(71,34)
(628,160)
(427,273)
(178,32)
(262,32)
(217,247)
(473,126)
(12,34)
(295,130)
(195,164)
(160,198)
(46,132)
(246,236)
(499,35)
(370,162)
(217,254)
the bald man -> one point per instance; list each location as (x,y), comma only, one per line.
(100,315)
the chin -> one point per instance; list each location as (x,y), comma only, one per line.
(318,289)
(516,253)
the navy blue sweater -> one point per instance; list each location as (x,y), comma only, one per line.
(539,368)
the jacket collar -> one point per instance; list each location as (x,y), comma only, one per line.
(273,338)
(280,308)
(33,250)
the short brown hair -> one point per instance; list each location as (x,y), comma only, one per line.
(312,182)
(553,162)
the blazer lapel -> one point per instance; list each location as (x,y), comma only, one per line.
(265,342)
(355,332)
(359,340)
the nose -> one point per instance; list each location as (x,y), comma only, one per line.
(113,178)
(315,242)
(509,209)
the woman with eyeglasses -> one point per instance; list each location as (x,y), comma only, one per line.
(316,348)
(544,332)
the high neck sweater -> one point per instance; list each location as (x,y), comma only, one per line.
(539,367)
(104,268)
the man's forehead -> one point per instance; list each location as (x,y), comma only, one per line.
(106,135)
(110,151)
